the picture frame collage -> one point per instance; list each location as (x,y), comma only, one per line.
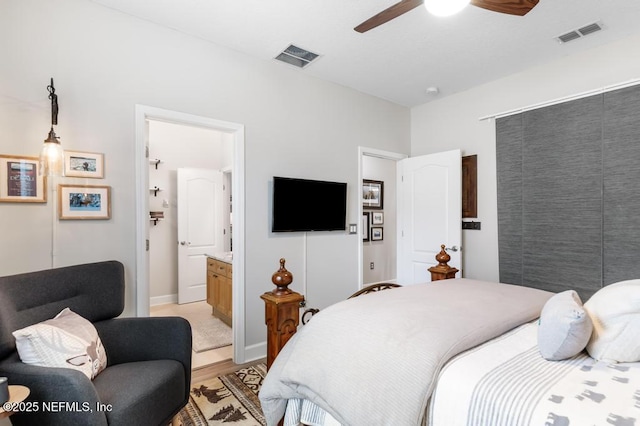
(372,216)
(22,182)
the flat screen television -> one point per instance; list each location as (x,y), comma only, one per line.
(301,205)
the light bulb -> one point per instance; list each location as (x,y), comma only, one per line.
(52,157)
(445,7)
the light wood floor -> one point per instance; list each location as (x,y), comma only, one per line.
(219,369)
(198,359)
(207,364)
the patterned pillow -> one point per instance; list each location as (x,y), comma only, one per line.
(615,311)
(68,341)
(564,327)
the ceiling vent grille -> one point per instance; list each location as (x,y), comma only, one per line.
(580,32)
(297,56)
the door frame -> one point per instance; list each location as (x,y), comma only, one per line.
(142,114)
(369,152)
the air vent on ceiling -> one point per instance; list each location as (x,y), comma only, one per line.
(297,56)
(580,32)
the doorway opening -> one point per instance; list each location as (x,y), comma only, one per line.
(188,204)
(429,212)
(380,166)
(145,190)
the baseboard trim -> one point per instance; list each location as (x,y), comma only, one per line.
(163,300)
(254,352)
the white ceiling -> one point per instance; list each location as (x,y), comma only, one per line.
(399,60)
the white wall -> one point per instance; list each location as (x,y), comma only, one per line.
(176,146)
(104,63)
(453,122)
(381,253)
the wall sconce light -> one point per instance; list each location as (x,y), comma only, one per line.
(52,154)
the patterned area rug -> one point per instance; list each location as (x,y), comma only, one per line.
(231,399)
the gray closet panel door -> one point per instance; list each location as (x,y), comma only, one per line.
(622,185)
(562,197)
(509,175)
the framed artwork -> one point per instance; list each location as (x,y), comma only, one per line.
(84,202)
(365,226)
(83,164)
(372,194)
(20,180)
(377,218)
(376,233)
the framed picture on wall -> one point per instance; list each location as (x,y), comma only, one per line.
(365,226)
(84,202)
(20,180)
(83,164)
(377,218)
(376,233)
(372,194)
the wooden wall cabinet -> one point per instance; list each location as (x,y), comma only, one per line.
(470,186)
(220,288)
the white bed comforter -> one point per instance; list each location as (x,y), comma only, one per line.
(506,382)
(372,360)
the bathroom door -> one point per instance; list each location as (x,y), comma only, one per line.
(200,229)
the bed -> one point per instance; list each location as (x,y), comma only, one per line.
(460,352)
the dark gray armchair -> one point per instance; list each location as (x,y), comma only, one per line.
(148,374)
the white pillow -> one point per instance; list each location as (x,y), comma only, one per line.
(615,311)
(564,327)
(68,341)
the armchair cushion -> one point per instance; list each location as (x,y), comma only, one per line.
(137,393)
(66,341)
(155,339)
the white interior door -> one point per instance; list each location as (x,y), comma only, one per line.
(429,213)
(200,229)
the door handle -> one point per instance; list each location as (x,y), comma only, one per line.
(184,243)
(453,248)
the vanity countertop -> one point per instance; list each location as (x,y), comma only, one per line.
(226,257)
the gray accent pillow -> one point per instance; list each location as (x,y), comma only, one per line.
(564,327)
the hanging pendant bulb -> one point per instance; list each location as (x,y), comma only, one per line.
(52,154)
(445,7)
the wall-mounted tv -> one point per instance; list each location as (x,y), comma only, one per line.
(301,205)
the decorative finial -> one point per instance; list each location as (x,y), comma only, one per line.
(442,257)
(281,278)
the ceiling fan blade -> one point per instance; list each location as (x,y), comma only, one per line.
(510,7)
(388,14)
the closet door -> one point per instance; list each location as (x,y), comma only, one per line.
(621,185)
(562,196)
(509,174)
(550,197)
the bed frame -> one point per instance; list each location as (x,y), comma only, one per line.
(282,305)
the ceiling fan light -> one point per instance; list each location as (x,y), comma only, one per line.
(445,7)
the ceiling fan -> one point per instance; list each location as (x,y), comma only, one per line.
(510,7)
